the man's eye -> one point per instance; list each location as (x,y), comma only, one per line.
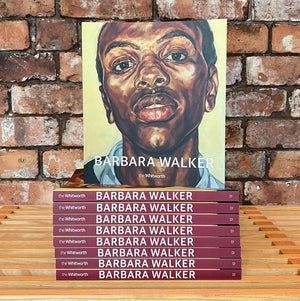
(123,66)
(176,57)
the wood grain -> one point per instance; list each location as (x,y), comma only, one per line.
(270,240)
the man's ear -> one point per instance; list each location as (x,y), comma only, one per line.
(212,89)
(107,105)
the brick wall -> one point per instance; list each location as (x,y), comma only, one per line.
(41,104)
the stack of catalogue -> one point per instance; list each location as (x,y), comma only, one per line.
(146,233)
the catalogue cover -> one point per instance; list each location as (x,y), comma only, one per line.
(154,103)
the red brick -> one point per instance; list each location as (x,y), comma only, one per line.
(54,34)
(274,10)
(18,163)
(212,9)
(106,9)
(22,67)
(70,67)
(295,103)
(277,70)
(244,164)
(271,133)
(73,132)
(254,102)
(27,192)
(47,99)
(233,70)
(285,164)
(35,8)
(3,99)
(61,163)
(234,134)
(273,193)
(28,131)
(14,35)
(286,38)
(235,185)
(247,38)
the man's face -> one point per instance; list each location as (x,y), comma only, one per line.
(155,82)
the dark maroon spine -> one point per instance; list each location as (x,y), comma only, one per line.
(146,263)
(154,252)
(145,207)
(161,230)
(228,274)
(152,219)
(147,241)
(86,195)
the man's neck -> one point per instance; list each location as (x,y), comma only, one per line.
(161,170)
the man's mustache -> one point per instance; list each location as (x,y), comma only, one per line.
(147,97)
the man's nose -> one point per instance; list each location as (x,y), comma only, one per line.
(151,76)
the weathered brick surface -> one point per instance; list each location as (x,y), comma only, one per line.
(236,185)
(269,70)
(18,163)
(247,38)
(28,131)
(295,103)
(73,132)
(254,102)
(106,9)
(61,163)
(27,192)
(272,192)
(3,99)
(35,8)
(70,67)
(271,133)
(285,164)
(212,9)
(22,67)
(234,134)
(276,10)
(244,164)
(233,70)
(286,38)
(47,99)
(41,93)
(55,34)
(14,35)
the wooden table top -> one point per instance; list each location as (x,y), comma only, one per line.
(270,240)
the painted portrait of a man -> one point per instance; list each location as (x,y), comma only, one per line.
(156,81)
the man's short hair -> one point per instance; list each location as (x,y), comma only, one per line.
(209,51)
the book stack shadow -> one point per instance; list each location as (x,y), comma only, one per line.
(146,234)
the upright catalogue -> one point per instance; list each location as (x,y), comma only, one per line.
(154,103)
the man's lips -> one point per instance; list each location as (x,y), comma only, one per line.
(155,107)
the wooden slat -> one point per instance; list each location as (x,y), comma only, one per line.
(8,261)
(270,241)
(25,228)
(164,292)
(25,235)
(35,216)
